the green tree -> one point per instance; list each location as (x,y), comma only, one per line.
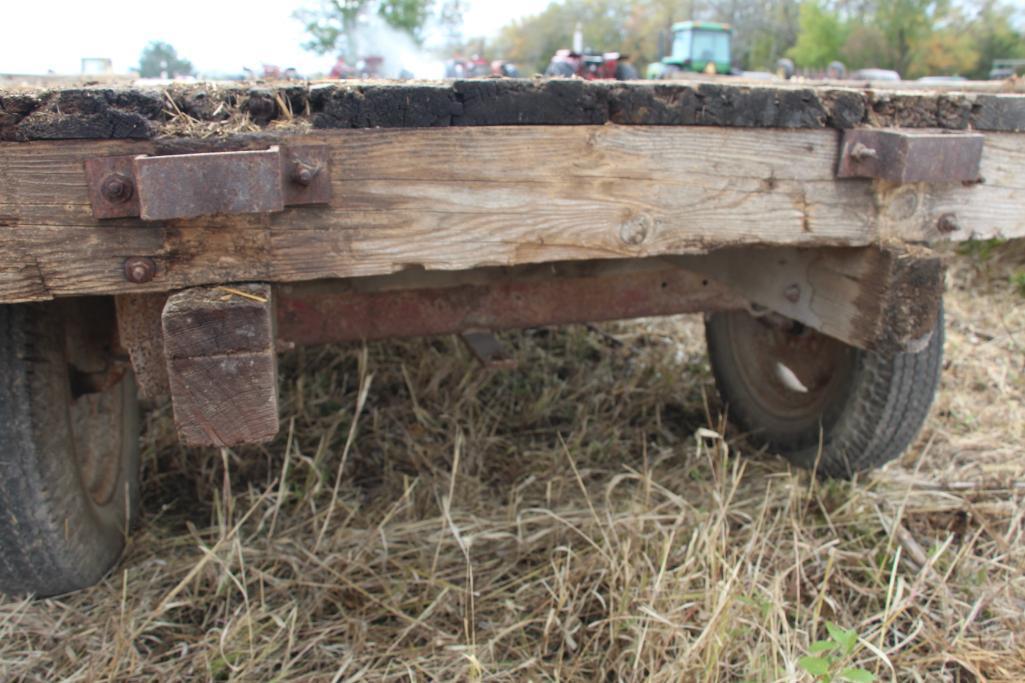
(993,35)
(763,30)
(906,25)
(821,37)
(334,25)
(866,46)
(160,60)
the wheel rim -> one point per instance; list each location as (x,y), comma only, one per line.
(792,372)
(96,426)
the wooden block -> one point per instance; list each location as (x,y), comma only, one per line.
(221,364)
(877,298)
(141,334)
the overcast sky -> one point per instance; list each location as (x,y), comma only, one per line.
(39,35)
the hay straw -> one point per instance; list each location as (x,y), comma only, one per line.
(577,519)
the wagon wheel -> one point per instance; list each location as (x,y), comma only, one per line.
(815,400)
(69,458)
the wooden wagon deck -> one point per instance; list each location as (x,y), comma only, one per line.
(222,224)
(468,174)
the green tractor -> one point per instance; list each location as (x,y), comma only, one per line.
(698,47)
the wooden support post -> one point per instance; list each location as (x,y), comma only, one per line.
(876,298)
(141,335)
(221,364)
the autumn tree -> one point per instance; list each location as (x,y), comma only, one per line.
(915,37)
(532,41)
(906,25)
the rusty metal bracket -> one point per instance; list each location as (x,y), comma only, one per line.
(911,156)
(191,185)
(488,351)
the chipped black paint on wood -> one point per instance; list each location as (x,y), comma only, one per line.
(130,113)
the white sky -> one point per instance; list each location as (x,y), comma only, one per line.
(36,36)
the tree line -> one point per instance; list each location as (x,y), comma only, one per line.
(914,37)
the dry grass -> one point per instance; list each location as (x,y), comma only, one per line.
(577,519)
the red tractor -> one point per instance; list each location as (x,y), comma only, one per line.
(591,66)
(366,67)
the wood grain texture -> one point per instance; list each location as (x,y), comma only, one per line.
(141,334)
(222,365)
(446,199)
(995,208)
(881,299)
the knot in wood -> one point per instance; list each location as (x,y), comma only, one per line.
(635,229)
(948,223)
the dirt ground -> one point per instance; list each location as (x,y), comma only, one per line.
(580,518)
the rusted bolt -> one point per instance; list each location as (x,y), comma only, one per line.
(303,173)
(117,188)
(140,269)
(948,223)
(860,152)
(792,293)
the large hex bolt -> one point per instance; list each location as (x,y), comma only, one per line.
(117,188)
(303,173)
(140,269)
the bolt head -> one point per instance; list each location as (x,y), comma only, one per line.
(860,152)
(303,174)
(117,188)
(140,269)
(792,293)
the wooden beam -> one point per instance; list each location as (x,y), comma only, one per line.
(881,299)
(141,334)
(454,199)
(221,364)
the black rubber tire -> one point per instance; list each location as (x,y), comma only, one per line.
(874,408)
(56,533)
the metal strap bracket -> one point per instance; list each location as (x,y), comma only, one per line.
(157,188)
(911,156)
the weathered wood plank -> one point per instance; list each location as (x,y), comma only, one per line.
(222,365)
(443,199)
(955,211)
(882,299)
(141,334)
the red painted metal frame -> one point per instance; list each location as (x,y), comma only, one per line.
(497,299)
(418,303)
